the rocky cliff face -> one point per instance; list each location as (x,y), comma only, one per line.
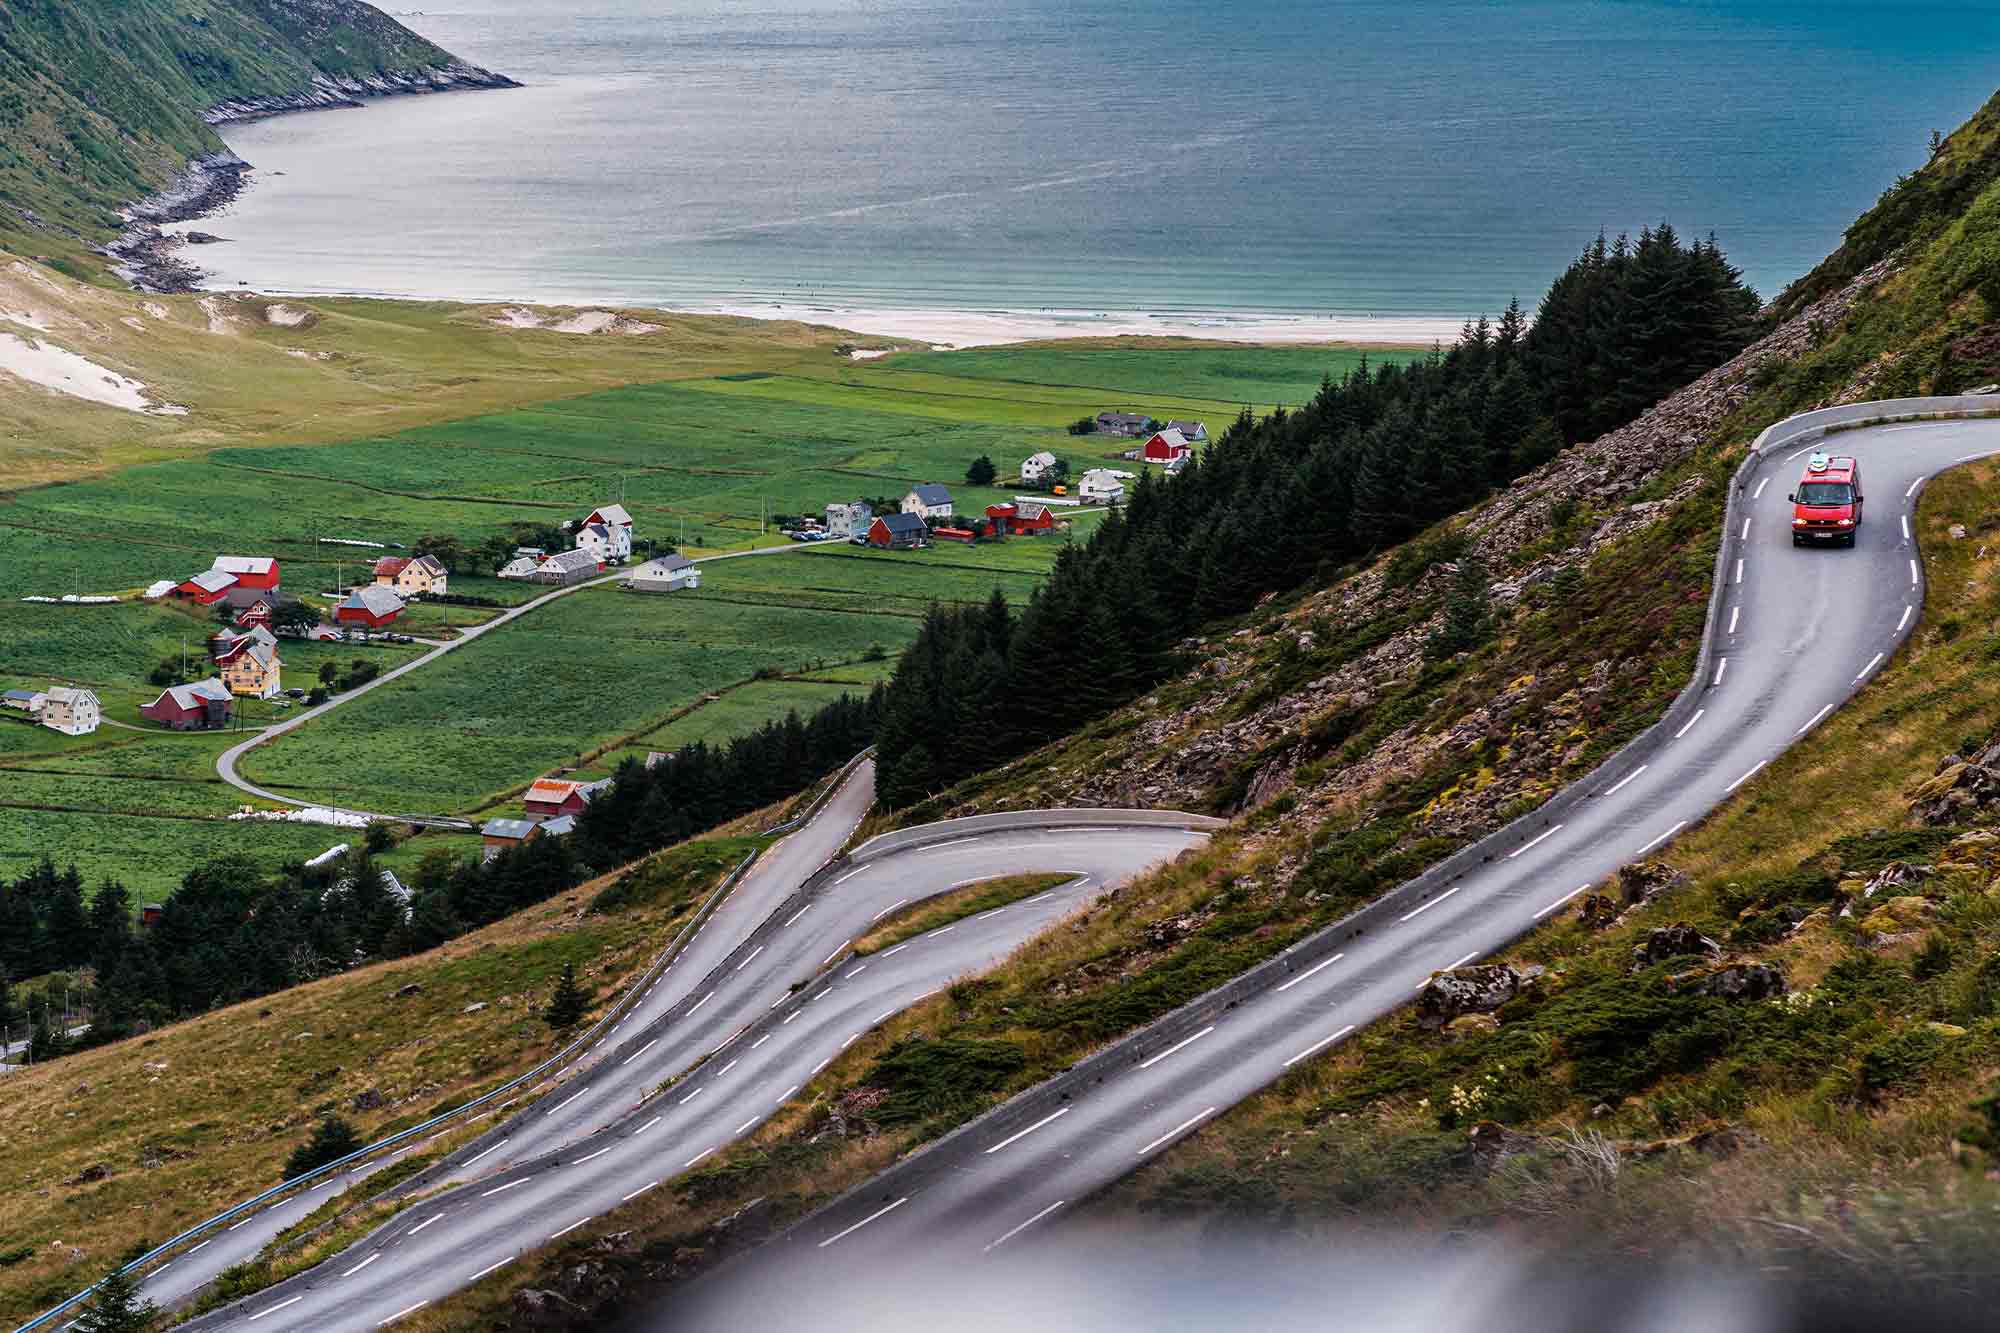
(328,91)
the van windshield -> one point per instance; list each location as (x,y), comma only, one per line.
(1821,493)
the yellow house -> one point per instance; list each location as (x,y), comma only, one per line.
(416,577)
(250,667)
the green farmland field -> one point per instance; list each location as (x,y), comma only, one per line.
(1258,377)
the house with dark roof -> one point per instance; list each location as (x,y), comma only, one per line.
(1194,432)
(929,500)
(667,573)
(567,567)
(1129,424)
(606,534)
(897,532)
(26,701)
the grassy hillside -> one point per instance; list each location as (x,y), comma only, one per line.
(102,100)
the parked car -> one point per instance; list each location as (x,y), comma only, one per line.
(295,693)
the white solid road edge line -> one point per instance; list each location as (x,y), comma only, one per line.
(1913,573)
(1309,971)
(504,1188)
(885,911)
(571,1227)
(1023,1227)
(1814,721)
(1560,901)
(1429,905)
(1181,1128)
(1321,1044)
(864,1222)
(1747,776)
(400,1313)
(1532,841)
(1907,611)
(1871,665)
(637,1192)
(1023,1133)
(273,1309)
(1184,1041)
(494,1269)
(495,1148)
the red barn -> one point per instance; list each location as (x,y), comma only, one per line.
(251,571)
(1023,516)
(206,588)
(1166,446)
(548,798)
(371,607)
(202,706)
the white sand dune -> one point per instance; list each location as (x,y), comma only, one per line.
(65,372)
(285,316)
(586,322)
(986,328)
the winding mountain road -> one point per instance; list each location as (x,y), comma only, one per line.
(1792,634)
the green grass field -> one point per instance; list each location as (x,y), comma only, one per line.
(592,678)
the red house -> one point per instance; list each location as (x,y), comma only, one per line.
(371,607)
(548,798)
(257,613)
(202,706)
(251,571)
(1023,516)
(1166,446)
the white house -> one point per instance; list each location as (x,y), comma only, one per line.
(606,534)
(70,711)
(1101,486)
(668,573)
(849,520)
(1036,467)
(929,500)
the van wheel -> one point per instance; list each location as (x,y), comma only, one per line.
(1850,539)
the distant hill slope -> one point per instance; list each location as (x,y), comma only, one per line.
(101,101)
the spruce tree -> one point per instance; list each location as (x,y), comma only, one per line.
(1467,612)
(117,1307)
(331,1141)
(568,1004)
(982,472)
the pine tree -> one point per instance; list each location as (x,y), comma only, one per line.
(1467,612)
(117,1307)
(568,1004)
(331,1141)
(982,472)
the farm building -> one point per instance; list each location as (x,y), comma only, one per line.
(411,576)
(1022,517)
(1166,446)
(1102,487)
(251,571)
(567,567)
(73,712)
(249,663)
(202,706)
(668,573)
(1128,424)
(895,532)
(929,500)
(1036,467)
(524,564)
(25,701)
(1194,432)
(370,607)
(548,797)
(606,534)
(849,520)
(497,835)
(560,825)
(207,588)
(965,535)
(156,590)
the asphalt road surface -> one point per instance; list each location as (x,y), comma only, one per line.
(1796,633)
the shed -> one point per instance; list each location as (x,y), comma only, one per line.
(666,573)
(898,532)
(496,835)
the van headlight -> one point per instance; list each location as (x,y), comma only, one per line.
(1798,522)
(1846,523)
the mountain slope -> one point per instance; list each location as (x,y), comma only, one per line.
(101,101)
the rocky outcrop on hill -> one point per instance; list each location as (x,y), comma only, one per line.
(329,91)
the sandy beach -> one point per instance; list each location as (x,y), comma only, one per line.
(987,328)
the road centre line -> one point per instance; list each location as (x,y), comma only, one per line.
(1309,971)
(1745,536)
(1023,1133)
(884,1212)
(699,1003)
(273,1309)
(1721,669)
(637,1192)
(1735,613)
(751,959)
(1184,1041)
(1023,1227)
(1663,837)
(885,911)
(641,1051)
(1182,1127)
(898,949)
(1526,845)
(648,1125)
(1689,724)
(1871,665)
(795,916)
(566,1230)
(1758,494)
(593,1157)
(493,1269)
(1739,570)
(363,1264)
(1429,905)
(1613,790)
(1560,901)
(760,1041)
(1815,720)
(691,1096)
(566,1103)
(504,1188)
(1320,1045)
(400,1313)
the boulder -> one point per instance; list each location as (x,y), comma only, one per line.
(1898,914)
(541,1308)
(414,988)
(1595,911)
(1471,1025)
(1479,989)
(474,1008)
(1679,940)
(1643,881)
(1733,981)
(1896,875)
(1946,1030)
